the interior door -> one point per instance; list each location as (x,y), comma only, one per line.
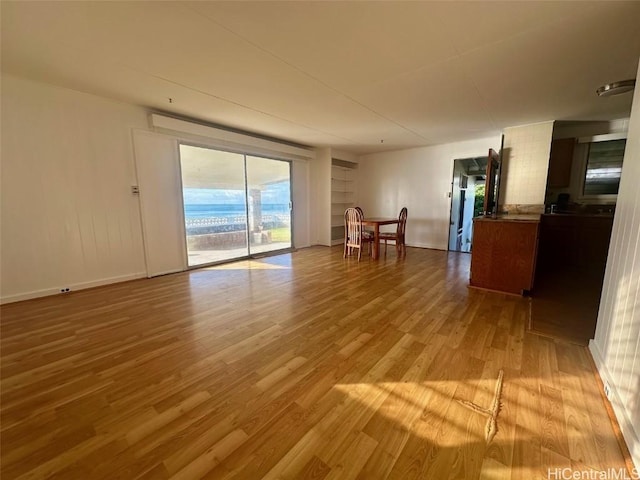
(158,171)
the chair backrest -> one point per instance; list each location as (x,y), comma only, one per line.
(353,226)
(402,223)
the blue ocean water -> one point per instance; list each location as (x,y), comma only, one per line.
(194,211)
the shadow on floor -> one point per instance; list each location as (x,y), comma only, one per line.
(564,303)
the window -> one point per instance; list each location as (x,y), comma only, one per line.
(604,167)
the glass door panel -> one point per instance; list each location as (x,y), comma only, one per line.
(269,204)
(215,208)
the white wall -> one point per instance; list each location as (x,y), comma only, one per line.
(321,198)
(419,179)
(68,216)
(525,164)
(616,346)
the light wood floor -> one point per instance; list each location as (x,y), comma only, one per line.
(298,366)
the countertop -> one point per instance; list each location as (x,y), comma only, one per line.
(577,214)
(516,217)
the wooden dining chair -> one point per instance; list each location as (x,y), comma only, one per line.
(398,236)
(366,232)
(354,236)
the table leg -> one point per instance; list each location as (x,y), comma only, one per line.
(376,242)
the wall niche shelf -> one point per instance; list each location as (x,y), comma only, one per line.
(343,196)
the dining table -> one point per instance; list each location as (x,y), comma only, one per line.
(376,223)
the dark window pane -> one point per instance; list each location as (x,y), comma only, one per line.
(604,166)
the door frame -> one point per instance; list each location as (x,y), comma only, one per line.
(451,197)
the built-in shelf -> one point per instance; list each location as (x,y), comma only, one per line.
(343,196)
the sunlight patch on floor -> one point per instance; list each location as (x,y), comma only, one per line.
(248,265)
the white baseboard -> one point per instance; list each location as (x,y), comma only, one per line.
(428,246)
(73,287)
(628,430)
(417,245)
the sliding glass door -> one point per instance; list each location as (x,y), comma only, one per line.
(234,205)
(269,200)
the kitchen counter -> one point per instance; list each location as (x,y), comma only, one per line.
(578,214)
(517,217)
(503,257)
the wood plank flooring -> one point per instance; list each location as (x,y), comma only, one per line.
(301,366)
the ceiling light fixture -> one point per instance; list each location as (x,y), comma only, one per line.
(616,88)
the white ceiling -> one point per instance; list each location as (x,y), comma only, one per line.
(340,74)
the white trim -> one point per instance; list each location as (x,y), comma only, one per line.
(169,272)
(415,245)
(231,138)
(628,431)
(73,287)
(429,246)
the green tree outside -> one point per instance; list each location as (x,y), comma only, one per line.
(478,204)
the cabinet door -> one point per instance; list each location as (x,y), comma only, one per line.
(504,255)
(560,162)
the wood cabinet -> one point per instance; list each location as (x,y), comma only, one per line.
(574,241)
(504,254)
(560,162)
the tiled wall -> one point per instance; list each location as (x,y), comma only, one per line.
(525,164)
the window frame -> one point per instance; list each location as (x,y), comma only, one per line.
(585,143)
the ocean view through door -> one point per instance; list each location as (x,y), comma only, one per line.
(234,205)
(269,202)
